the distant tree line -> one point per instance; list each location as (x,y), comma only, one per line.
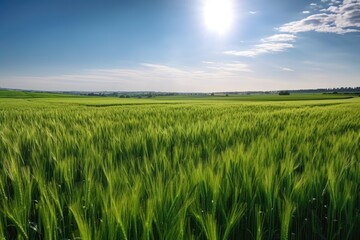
(139,94)
(352,90)
(284,93)
(329,90)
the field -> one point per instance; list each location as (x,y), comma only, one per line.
(237,167)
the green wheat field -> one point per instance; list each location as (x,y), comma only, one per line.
(216,167)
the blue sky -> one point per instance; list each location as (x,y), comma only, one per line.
(179,45)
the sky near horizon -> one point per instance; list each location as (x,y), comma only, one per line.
(179,45)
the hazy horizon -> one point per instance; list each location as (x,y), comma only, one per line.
(180,45)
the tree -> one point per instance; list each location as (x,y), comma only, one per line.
(284,93)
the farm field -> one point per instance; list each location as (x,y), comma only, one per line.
(237,167)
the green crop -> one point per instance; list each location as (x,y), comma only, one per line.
(184,169)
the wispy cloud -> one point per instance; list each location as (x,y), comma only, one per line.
(252,12)
(285,69)
(272,44)
(280,38)
(229,67)
(146,76)
(306,12)
(339,18)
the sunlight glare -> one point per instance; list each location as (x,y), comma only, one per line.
(218,15)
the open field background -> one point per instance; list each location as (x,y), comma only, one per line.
(237,167)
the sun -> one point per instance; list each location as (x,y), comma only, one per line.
(218,15)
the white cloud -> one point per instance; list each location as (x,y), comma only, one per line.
(280,38)
(285,69)
(252,12)
(305,12)
(229,67)
(332,9)
(271,47)
(341,19)
(272,44)
(245,53)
